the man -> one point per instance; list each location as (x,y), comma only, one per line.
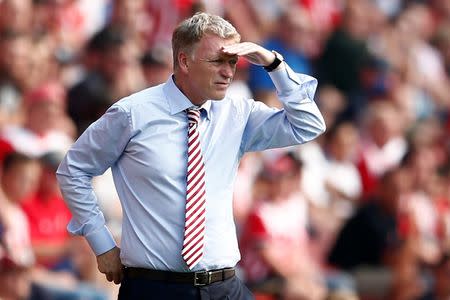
(174,173)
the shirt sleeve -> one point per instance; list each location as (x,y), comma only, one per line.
(298,122)
(93,153)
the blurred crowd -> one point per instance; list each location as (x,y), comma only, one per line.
(363,212)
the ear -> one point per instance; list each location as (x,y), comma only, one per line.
(183,62)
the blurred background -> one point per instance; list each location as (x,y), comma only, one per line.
(362,212)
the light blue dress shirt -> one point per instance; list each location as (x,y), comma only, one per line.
(143,138)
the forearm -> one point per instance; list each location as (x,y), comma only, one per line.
(296,93)
(87,219)
(300,121)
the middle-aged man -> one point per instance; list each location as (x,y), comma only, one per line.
(174,151)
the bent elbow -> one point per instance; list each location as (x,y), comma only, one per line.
(322,127)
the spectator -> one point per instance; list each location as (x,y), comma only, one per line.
(365,236)
(11,10)
(325,14)
(46,126)
(157,65)
(294,33)
(441,195)
(441,287)
(15,282)
(422,223)
(14,62)
(332,102)
(48,217)
(20,176)
(44,63)
(441,40)
(63,21)
(343,182)
(340,183)
(345,54)
(244,189)
(112,72)
(131,17)
(426,67)
(371,248)
(275,242)
(383,144)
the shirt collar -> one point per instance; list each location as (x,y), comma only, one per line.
(207,108)
(178,102)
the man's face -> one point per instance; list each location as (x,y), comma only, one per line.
(210,71)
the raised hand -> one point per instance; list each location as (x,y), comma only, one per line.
(254,53)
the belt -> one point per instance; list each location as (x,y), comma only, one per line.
(200,278)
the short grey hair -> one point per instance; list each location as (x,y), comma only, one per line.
(189,32)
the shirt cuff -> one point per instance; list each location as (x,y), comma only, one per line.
(284,79)
(101,241)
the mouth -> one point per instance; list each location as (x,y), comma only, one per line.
(222,84)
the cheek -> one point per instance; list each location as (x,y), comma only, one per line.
(205,79)
(207,71)
(29,183)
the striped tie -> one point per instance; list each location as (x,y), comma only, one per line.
(194,229)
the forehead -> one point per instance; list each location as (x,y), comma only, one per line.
(212,44)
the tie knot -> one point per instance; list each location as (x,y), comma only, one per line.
(193,115)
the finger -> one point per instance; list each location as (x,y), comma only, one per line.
(239,49)
(109,276)
(251,53)
(118,277)
(233,49)
(230,47)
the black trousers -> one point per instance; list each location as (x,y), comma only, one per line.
(138,288)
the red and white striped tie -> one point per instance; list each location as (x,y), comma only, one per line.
(194,229)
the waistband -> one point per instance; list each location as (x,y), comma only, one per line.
(200,278)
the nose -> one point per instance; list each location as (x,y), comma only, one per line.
(228,70)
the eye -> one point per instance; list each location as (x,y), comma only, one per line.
(222,61)
(217,62)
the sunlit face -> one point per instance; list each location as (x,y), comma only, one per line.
(209,71)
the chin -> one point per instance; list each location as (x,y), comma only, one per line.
(218,97)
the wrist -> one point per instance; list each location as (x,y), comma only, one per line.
(278,59)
